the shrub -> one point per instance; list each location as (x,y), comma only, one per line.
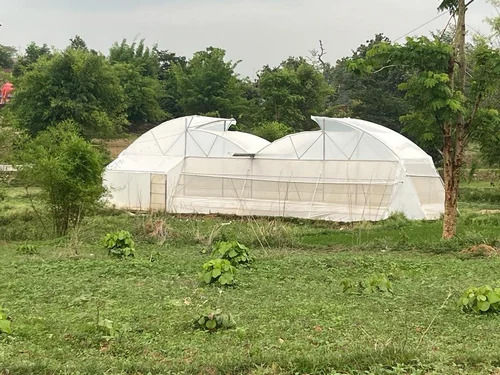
(233,251)
(120,244)
(68,171)
(374,284)
(218,271)
(480,299)
(27,249)
(4,322)
(214,321)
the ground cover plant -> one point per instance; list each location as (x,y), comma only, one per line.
(120,244)
(87,313)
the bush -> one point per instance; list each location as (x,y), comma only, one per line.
(120,244)
(233,251)
(67,169)
(218,271)
(27,249)
(214,321)
(4,322)
(480,300)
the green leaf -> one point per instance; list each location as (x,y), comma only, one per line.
(216,272)
(211,324)
(5,326)
(483,305)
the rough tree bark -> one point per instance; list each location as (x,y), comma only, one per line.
(454,135)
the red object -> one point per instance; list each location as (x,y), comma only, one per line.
(7,89)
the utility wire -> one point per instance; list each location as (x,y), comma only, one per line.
(432,19)
(422,25)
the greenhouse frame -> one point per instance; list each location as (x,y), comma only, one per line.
(348,170)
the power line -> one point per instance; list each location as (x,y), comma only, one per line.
(422,25)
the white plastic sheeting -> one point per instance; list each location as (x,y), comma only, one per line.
(348,170)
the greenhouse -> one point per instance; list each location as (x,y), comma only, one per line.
(348,170)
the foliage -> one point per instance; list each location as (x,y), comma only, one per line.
(5,326)
(207,84)
(27,249)
(6,56)
(120,244)
(218,271)
(142,93)
(481,299)
(74,85)
(271,130)
(67,169)
(292,92)
(233,251)
(374,97)
(376,283)
(143,58)
(77,42)
(214,321)
(169,101)
(31,55)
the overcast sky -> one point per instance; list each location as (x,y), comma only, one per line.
(257,32)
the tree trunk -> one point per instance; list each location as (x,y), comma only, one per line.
(454,141)
(450,198)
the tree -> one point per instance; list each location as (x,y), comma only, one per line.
(138,68)
(31,55)
(143,94)
(208,85)
(272,130)
(169,100)
(67,169)
(442,95)
(292,92)
(78,43)
(7,56)
(71,85)
(373,97)
(145,59)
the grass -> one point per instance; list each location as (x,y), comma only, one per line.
(291,314)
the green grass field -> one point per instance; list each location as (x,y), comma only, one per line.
(292,316)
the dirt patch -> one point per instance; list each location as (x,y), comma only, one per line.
(115,146)
(481,250)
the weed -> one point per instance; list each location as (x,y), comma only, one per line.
(480,300)
(233,251)
(214,321)
(120,244)
(27,249)
(218,271)
(5,326)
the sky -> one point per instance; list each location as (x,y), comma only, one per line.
(257,32)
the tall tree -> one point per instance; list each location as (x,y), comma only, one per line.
(138,54)
(207,84)
(32,53)
(373,97)
(292,92)
(169,100)
(78,43)
(7,56)
(71,85)
(442,94)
